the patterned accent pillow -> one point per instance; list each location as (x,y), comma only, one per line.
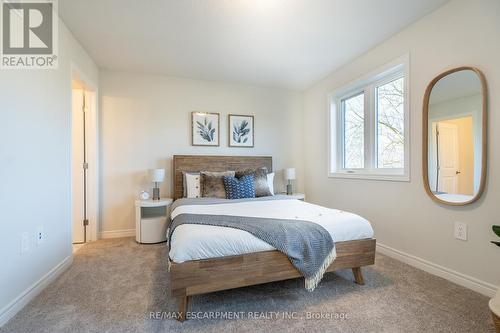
(185,185)
(212,184)
(239,188)
(192,185)
(259,181)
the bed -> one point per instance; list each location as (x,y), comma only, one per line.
(204,259)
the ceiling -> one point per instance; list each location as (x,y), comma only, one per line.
(280,43)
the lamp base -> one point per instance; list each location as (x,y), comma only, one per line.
(289,190)
(156,193)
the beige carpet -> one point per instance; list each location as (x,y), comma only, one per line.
(113,285)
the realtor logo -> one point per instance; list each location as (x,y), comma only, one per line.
(29,34)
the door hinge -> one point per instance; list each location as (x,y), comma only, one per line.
(85,166)
(85,222)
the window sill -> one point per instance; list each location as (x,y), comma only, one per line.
(370,176)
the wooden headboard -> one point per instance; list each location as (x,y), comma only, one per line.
(196,163)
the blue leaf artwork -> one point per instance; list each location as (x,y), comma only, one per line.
(242,131)
(205,129)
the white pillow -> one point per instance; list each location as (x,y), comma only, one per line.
(192,185)
(270,182)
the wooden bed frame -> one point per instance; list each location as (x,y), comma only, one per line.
(204,276)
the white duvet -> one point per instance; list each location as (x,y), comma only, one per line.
(195,242)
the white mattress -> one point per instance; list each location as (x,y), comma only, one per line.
(195,242)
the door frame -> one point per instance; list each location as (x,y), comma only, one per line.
(92,145)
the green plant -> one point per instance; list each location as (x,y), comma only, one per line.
(496,230)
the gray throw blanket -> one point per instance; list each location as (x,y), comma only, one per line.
(308,246)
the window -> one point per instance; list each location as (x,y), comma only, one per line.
(390,124)
(369,125)
(354,129)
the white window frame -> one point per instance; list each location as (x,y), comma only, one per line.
(367,85)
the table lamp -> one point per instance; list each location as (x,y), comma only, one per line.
(157,176)
(289,176)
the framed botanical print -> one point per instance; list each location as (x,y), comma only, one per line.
(241,131)
(205,129)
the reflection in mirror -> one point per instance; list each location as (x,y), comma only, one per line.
(455,137)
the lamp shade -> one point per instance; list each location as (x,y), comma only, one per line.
(290,174)
(157,175)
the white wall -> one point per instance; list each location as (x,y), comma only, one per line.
(35,142)
(146,119)
(460,33)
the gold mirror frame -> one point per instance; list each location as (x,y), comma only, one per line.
(425,135)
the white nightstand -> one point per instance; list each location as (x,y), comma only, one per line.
(151,220)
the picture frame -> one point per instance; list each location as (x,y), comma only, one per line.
(205,129)
(241,131)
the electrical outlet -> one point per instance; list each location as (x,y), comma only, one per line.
(25,243)
(460,231)
(40,235)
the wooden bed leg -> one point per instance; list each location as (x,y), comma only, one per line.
(358,276)
(183,305)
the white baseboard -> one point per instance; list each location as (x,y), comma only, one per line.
(463,280)
(117,233)
(26,296)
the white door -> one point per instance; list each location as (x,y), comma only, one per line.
(78,181)
(447,151)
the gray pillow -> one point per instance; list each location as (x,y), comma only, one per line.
(259,180)
(212,184)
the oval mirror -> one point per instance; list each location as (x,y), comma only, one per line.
(454,136)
